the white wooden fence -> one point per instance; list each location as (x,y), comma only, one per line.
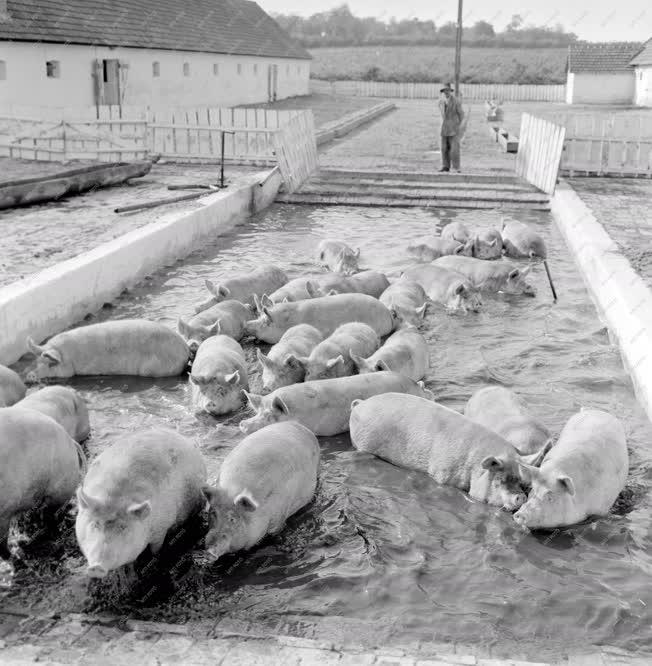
(539,152)
(127,133)
(296,150)
(469,91)
(607,143)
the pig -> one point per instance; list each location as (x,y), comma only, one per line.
(418,434)
(371,283)
(295,290)
(488,244)
(225,318)
(325,313)
(333,357)
(445,287)
(338,257)
(439,247)
(457,231)
(324,406)
(63,404)
(242,287)
(280,366)
(124,347)
(408,299)
(522,242)
(218,375)
(12,388)
(40,465)
(490,276)
(581,476)
(139,489)
(506,413)
(405,351)
(264,479)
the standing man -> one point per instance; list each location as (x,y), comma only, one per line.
(452,116)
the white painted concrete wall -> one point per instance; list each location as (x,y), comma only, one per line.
(27,84)
(644,85)
(589,88)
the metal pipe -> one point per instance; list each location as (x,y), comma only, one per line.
(458,48)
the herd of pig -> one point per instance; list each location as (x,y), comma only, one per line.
(326,373)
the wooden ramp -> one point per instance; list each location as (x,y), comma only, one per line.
(418,189)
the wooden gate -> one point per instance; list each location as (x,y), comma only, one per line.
(540,147)
(296,150)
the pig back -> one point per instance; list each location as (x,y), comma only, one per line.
(12,388)
(219,354)
(127,347)
(278,465)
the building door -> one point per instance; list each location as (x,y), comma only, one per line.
(111,81)
(272,82)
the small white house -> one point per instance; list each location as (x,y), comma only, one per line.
(600,73)
(146,52)
(642,64)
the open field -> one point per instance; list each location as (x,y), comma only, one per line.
(436,64)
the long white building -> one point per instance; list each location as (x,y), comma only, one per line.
(62,53)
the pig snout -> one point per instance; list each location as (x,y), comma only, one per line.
(529,290)
(97,571)
(514,501)
(31,377)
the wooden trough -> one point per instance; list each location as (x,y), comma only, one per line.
(509,142)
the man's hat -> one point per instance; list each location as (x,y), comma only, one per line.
(446,87)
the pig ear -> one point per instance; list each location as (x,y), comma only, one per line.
(332,292)
(421,312)
(357,253)
(83,500)
(358,360)
(285,300)
(233,378)
(33,347)
(267,312)
(382,366)
(332,362)
(459,249)
(312,289)
(535,459)
(355,402)
(567,484)
(209,492)
(257,304)
(514,274)
(53,356)
(525,271)
(141,510)
(460,289)
(245,501)
(183,328)
(493,463)
(215,329)
(279,405)
(223,291)
(266,301)
(263,360)
(493,242)
(295,362)
(255,400)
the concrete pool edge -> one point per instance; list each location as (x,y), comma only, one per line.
(622,299)
(89,639)
(61,295)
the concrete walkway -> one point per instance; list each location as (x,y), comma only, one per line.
(92,641)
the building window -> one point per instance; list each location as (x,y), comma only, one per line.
(52,69)
(186,69)
(287,70)
(3,70)
(216,69)
(156,69)
(239,68)
(298,69)
(255,69)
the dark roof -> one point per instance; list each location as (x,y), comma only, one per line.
(601,57)
(645,56)
(237,27)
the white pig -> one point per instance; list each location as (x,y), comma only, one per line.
(581,476)
(490,276)
(242,287)
(521,242)
(445,287)
(325,314)
(408,299)
(63,404)
(295,290)
(266,478)
(405,351)
(324,406)
(12,388)
(122,347)
(225,318)
(144,485)
(456,231)
(218,375)
(333,357)
(488,244)
(506,413)
(280,366)
(40,465)
(338,257)
(437,247)
(418,434)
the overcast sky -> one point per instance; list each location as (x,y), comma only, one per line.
(594,20)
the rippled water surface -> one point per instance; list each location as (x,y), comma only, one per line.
(380,543)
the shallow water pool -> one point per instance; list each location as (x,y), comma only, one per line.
(380,543)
